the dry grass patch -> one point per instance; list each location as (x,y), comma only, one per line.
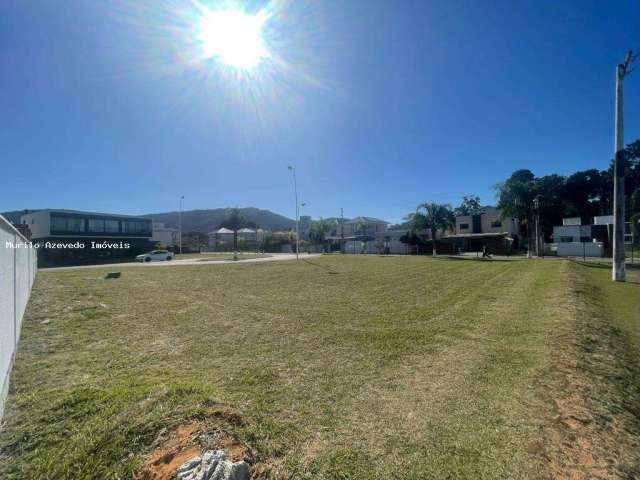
(334,367)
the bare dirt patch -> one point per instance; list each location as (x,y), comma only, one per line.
(590,435)
(186,442)
(177,448)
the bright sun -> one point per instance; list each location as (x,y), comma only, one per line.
(235,37)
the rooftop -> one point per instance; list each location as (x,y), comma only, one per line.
(366,219)
(81,212)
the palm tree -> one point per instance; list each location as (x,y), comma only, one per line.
(432,217)
(234,220)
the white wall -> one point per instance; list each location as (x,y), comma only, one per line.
(18,268)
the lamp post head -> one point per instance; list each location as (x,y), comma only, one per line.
(290,167)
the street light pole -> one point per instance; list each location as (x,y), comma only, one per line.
(618,273)
(180,224)
(341,230)
(295,190)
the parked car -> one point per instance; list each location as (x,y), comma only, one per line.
(155,256)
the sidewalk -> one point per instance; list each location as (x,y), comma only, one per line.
(273,257)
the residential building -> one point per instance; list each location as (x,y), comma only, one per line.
(573,239)
(485,228)
(607,221)
(165,236)
(72,237)
(223,237)
(364,226)
(247,235)
(486,220)
(220,236)
(357,235)
(390,242)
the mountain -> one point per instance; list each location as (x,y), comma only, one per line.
(205,221)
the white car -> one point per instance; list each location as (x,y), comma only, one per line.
(155,256)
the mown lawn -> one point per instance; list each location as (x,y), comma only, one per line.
(207,257)
(345,367)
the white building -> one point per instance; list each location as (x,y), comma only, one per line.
(222,235)
(167,237)
(247,235)
(486,220)
(571,239)
(608,221)
(358,235)
(225,235)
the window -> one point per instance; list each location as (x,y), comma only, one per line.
(496,224)
(96,225)
(58,224)
(585,239)
(135,227)
(464,226)
(111,226)
(564,239)
(75,225)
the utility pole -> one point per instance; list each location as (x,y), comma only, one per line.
(530,231)
(536,206)
(180,224)
(618,273)
(341,230)
(295,191)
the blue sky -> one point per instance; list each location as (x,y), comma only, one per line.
(380,105)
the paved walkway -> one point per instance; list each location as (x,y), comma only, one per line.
(273,257)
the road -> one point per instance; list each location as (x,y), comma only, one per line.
(273,257)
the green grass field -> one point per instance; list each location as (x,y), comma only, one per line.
(208,257)
(337,367)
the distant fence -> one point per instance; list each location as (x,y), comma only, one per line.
(18,266)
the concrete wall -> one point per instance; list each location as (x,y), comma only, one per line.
(578,249)
(18,266)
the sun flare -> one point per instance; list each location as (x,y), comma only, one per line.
(235,37)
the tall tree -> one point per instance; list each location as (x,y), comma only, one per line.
(319,228)
(583,194)
(515,199)
(469,205)
(432,217)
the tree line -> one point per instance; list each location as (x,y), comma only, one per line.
(584,194)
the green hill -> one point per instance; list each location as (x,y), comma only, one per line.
(205,221)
